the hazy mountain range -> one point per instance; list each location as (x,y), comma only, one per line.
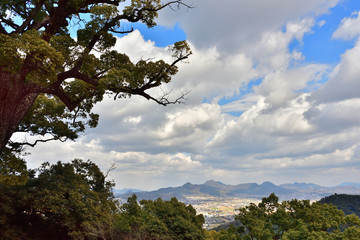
(245,190)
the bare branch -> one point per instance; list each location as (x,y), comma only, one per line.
(10,23)
(162,100)
(178,3)
(41,24)
(17,145)
(30,17)
(112,167)
(2,29)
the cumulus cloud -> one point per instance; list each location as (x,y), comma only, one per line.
(349,28)
(289,124)
(344,80)
(280,86)
(335,116)
(231,24)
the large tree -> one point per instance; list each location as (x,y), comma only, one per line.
(59,201)
(50,81)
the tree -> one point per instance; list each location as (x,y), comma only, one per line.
(350,204)
(49,81)
(13,169)
(158,219)
(59,201)
(294,220)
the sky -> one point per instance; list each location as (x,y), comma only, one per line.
(274,95)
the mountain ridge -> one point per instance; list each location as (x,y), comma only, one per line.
(218,189)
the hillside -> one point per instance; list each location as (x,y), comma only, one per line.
(348,203)
(245,190)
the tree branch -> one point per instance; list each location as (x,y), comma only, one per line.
(2,29)
(179,3)
(30,17)
(162,100)
(153,81)
(112,167)
(10,23)
(41,24)
(16,145)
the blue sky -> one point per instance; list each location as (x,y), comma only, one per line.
(273,97)
(316,46)
(319,46)
(162,36)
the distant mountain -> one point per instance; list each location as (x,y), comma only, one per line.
(125,191)
(214,189)
(297,185)
(246,190)
(349,184)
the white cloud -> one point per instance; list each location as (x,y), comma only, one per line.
(344,80)
(231,24)
(321,23)
(282,86)
(335,116)
(190,126)
(286,128)
(132,120)
(137,48)
(349,28)
(337,158)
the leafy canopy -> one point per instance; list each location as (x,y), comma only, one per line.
(59,201)
(158,219)
(292,220)
(49,81)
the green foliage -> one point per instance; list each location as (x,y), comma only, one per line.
(350,204)
(12,169)
(232,233)
(74,201)
(14,50)
(148,17)
(212,235)
(158,220)
(39,60)
(293,220)
(60,201)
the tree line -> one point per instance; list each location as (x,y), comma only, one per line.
(292,220)
(75,201)
(350,204)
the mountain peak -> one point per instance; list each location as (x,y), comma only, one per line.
(267,183)
(188,184)
(213,183)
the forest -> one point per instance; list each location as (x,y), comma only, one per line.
(350,204)
(75,201)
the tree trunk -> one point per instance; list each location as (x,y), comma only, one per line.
(15,102)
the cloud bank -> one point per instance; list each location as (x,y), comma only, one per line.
(257,110)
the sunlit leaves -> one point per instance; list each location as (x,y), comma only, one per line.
(44,62)
(296,219)
(13,169)
(103,12)
(40,56)
(180,49)
(159,219)
(143,10)
(61,201)
(49,118)
(66,46)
